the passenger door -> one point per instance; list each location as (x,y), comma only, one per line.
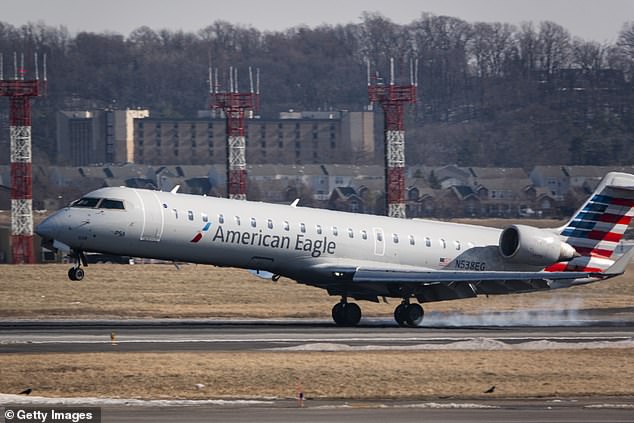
(379,241)
(153,218)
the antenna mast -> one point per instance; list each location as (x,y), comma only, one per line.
(20,89)
(393,99)
(236,105)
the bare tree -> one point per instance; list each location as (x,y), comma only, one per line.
(588,55)
(491,46)
(527,41)
(554,47)
(622,56)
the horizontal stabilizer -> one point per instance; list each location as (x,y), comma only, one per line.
(619,266)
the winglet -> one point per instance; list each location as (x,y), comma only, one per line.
(619,266)
(175,189)
(294,203)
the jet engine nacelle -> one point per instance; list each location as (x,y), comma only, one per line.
(528,245)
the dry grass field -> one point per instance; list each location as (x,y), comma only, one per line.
(159,291)
(341,375)
(162,291)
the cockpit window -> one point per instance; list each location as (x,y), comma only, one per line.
(106,203)
(87,202)
(102,203)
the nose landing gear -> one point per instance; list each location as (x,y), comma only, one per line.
(76,273)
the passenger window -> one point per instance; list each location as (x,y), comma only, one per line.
(237,220)
(318,229)
(302,228)
(457,244)
(443,244)
(335,231)
(427,242)
(253,222)
(364,235)
(412,241)
(287,227)
(111,204)
(350,233)
(269,224)
(205,217)
(379,236)
(190,215)
(176,213)
(221,218)
(395,238)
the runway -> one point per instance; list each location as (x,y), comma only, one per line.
(169,335)
(172,335)
(571,411)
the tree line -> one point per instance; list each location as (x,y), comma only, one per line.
(489,94)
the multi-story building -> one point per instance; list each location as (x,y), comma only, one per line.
(96,136)
(131,136)
(301,138)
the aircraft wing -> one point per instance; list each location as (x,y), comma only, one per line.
(440,276)
(437,285)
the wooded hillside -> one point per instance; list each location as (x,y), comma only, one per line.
(489,93)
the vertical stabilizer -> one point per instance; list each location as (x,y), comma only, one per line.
(598,226)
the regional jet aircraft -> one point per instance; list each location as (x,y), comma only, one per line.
(352,256)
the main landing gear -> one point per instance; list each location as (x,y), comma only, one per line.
(346,314)
(407,314)
(76,273)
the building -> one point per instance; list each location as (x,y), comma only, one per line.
(293,138)
(131,136)
(96,136)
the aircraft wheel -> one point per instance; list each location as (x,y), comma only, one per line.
(339,314)
(414,315)
(79,274)
(346,314)
(400,314)
(353,314)
(75,273)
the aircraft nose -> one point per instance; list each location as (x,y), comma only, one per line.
(49,227)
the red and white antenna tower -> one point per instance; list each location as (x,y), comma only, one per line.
(20,91)
(235,106)
(393,99)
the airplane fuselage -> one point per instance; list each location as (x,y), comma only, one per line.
(281,239)
(351,255)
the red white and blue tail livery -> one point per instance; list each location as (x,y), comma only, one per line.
(597,228)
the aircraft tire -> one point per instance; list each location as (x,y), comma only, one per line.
(339,314)
(79,274)
(414,315)
(400,314)
(346,314)
(75,273)
(353,314)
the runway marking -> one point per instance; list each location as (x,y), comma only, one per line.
(104,401)
(326,344)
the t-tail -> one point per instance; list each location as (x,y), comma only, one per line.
(596,229)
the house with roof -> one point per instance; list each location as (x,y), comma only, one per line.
(553,178)
(505,197)
(346,199)
(450,175)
